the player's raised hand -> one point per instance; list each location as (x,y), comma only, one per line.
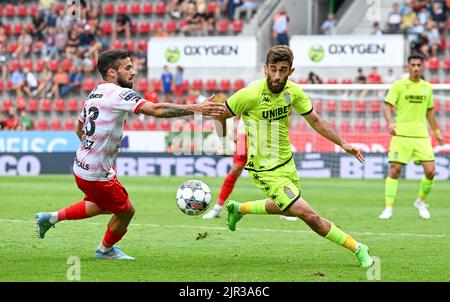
(211,108)
(391,129)
(353,151)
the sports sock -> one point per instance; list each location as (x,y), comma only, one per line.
(73,212)
(253,207)
(340,237)
(390,191)
(425,188)
(111,238)
(226,189)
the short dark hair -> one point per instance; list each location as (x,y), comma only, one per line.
(108,59)
(279,53)
(416,55)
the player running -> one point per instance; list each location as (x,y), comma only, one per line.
(265,107)
(412,99)
(100,129)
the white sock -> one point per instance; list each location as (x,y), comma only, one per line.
(217,207)
(103,248)
(54,218)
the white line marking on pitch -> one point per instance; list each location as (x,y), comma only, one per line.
(182,226)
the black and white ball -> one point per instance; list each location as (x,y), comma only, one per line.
(193,197)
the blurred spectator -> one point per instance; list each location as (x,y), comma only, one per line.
(415,34)
(431,40)
(139,59)
(60,79)
(93,16)
(247,6)
(61,39)
(390,77)
(87,39)
(12,122)
(394,20)
(167,82)
(49,50)
(360,77)
(3,53)
(24,121)
(423,15)
(376,30)
(374,77)
(52,18)
(178,81)
(72,44)
(439,16)
(45,82)
(231,8)
(24,49)
(45,5)
(2,121)
(31,83)
(63,21)
(38,25)
(74,81)
(123,27)
(408,19)
(314,78)
(329,25)
(280,29)
(18,80)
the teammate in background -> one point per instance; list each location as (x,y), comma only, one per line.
(265,107)
(237,134)
(412,99)
(100,129)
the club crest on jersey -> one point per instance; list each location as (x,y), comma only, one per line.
(287,98)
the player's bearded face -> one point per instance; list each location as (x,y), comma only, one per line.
(125,74)
(277,75)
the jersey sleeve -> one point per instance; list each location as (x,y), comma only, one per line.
(392,96)
(129,100)
(82,116)
(301,102)
(430,99)
(242,101)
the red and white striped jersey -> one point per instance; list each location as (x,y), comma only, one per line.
(103,117)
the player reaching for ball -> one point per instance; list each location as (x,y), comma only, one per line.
(100,129)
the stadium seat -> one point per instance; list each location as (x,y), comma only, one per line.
(33,106)
(69,124)
(346,106)
(122,8)
(197,84)
(318,106)
(55,124)
(142,45)
(160,8)
(28,64)
(212,7)
(345,127)
(42,124)
(60,105)
(17,29)
(164,125)
(116,44)
(303,81)
(21,103)
(375,106)
(435,81)
(375,127)
(360,127)
(185,85)
(72,105)
(22,10)
(129,45)
(144,27)
(1,86)
(9,10)
(447,81)
(40,65)
(13,46)
(53,65)
(211,85)
(158,25)
(14,65)
(447,127)
(1,9)
(67,64)
(142,85)
(191,99)
(147,8)
(299,126)
(33,9)
(331,106)
(239,84)
(151,124)
(347,81)
(137,125)
(46,105)
(171,26)
(6,105)
(433,63)
(237,26)
(37,46)
(108,9)
(89,85)
(135,8)
(126,126)
(157,85)
(151,96)
(107,28)
(447,63)
(360,106)
(437,106)
(225,85)
(332,81)
(222,26)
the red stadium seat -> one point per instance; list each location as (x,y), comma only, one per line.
(360,106)
(346,106)
(147,8)
(142,45)
(151,96)
(129,45)
(237,26)
(160,8)
(435,81)
(433,63)
(89,85)
(67,64)
(191,99)
(107,28)
(1,86)
(171,26)
(28,64)
(164,125)
(151,124)
(158,25)
(318,106)
(22,10)
(21,103)
(60,105)
(137,125)
(239,84)
(211,85)
(447,81)
(55,125)
(375,106)
(46,105)
(212,7)
(346,81)
(1,10)
(69,124)
(116,44)
(345,127)
(197,84)
(222,26)
(53,65)
(332,81)
(42,124)
(437,106)
(303,81)
(33,105)
(9,10)
(6,105)
(144,27)
(331,106)
(108,9)
(33,9)
(135,8)
(447,106)
(40,65)
(360,127)
(72,105)
(447,63)
(300,126)
(14,65)
(37,46)
(17,29)
(7,29)
(179,125)
(375,127)
(225,85)
(142,85)
(447,127)
(157,85)
(13,46)
(122,8)
(185,85)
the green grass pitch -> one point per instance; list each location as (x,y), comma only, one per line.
(171,246)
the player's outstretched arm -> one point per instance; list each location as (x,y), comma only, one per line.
(325,129)
(433,124)
(208,107)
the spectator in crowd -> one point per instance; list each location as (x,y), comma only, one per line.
(415,34)
(45,82)
(407,19)
(72,44)
(61,39)
(93,16)
(431,40)
(394,20)
(38,25)
(439,16)
(3,53)
(2,121)
(18,80)
(313,78)
(178,82)
(31,82)
(63,21)
(376,30)
(52,17)
(139,60)
(167,82)
(281,28)
(329,25)
(46,5)
(24,48)
(49,50)
(423,15)
(390,77)
(247,6)
(87,39)
(74,81)
(123,27)
(60,79)
(360,77)
(231,6)
(24,121)
(374,77)
(12,123)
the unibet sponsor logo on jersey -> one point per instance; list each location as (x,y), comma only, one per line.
(277,113)
(415,98)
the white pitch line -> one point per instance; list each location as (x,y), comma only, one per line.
(183,226)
